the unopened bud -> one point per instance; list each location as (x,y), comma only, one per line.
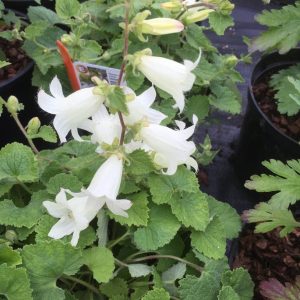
(197,16)
(33,126)
(11,236)
(160,26)
(13,105)
(231,61)
(67,39)
(172,6)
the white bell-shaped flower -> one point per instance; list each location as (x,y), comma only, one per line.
(105,186)
(71,111)
(171,146)
(140,107)
(74,214)
(105,127)
(169,75)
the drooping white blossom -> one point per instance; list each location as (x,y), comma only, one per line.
(105,186)
(140,107)
(171,147)
(172,77)
(74,214)
(105,128)
(71,111)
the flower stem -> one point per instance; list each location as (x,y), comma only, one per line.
(29,140)
(83,283)
(150,257)
(118,240)
(125,53)
(120,263)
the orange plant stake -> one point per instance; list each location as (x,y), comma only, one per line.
(64,53)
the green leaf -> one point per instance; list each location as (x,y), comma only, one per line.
(139,270)
(138,212)
(14,283)
(283,32)
(211,242)
(100,261)
(161,229)
(191,210)
(197,105)
(286,183)
(17,163)
(140,163)
(219,22)
(87,236)
(240,280)
(174,248)
(191,287)
(4,188)
(4,64)
(116,286)
(230,219)
(117,100)
(163,187)
(67,8)
(66,181)
(41,13)
(77,149)
(197,39)
(286,83)
(170,276)
(48,261)
(156,294)
(225,98)
(102,228)
(228,293)
(26,216)
(9,256)
(270,218)
(47,133)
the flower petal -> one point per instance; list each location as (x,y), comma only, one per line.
(75,238)
(118,207)
(56,88)
(107,180)
(63,227)
(54,209)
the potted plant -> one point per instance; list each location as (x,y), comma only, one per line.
(271,124)
(270,250)
(16,67)
(215,87)
(118,213)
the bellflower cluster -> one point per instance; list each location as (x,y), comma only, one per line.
(90,109)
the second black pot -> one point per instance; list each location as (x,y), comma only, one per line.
(259,138)
(22,5)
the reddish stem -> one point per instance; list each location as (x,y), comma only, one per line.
(64,53)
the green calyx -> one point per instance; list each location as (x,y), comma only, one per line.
(135,59)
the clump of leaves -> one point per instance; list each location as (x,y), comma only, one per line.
(275,290)
(275,213)
(283,29)
(286,83)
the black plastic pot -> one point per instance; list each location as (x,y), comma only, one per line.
(259,138)
(22,5)
(21,87)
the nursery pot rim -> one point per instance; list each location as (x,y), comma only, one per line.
(19,74)
(28,66)
(254,78)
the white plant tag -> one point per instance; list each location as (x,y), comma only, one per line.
(86,71)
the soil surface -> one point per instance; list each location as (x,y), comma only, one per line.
(267,255)
(14,54)
(264,95)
